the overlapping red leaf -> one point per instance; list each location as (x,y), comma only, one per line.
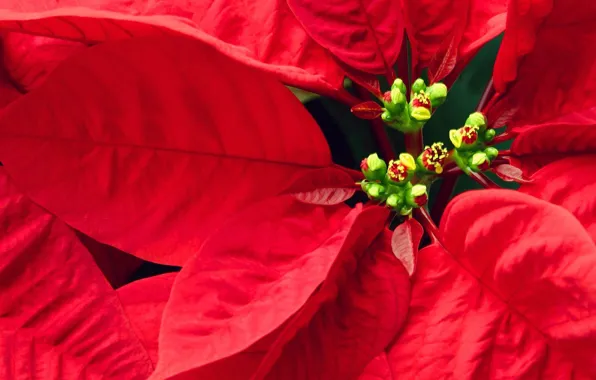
(509,295)
(59,318)
(124,142)
(545,65)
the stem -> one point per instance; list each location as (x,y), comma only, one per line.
(403,63)
(505,136)
(444,194)
(505,152)
(414,143)
(345,97)
(488,93)
(378,129)
(483,180)
(422,215)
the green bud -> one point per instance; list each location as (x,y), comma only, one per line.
(418,86)
(398,98)
(386,116)
(405,210)
(491,152)
(376,190)
(477,119)
(489,135)
(479,162)
(437,94)
(400,85)
(373,167)
(393,200)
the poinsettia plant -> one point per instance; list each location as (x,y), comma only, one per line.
(162,132)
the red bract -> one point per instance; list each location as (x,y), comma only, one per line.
(509,296)
(124,132)
(59,318)
(545,64)
(445,33)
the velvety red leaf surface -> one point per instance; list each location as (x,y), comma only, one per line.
(546,61)
(569,183)
(30,59)
(144,301)
(364,34)
(509,295)
(405,240)
(8,90)
(367,110)
(359,309)
(261,269)
(59,318)
(540,144)
(130,144)
(262,34)
(377,369)
(433,26)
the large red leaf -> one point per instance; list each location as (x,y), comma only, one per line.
(59,318)
(144,301)
(465,25)
(570,183)
(377,369)
(364,34)
(511,294)
(255,273)
(539,144)
(128,143)
(546,62)
(262,34)
(354,315)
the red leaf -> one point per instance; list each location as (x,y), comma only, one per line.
(274,255)
(367,293)
(369,82)
(405,240)
(541,144)
(443,62)
(164,158)
(326,196)
(568,183)
(59,318)
(270,38)
(465,25)
(533,67)
(144,301)
(30,59)
(510,173)
(364,34)
(510,295)
(331,186)
(377,369)
(367,110)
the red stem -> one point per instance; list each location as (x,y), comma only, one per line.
(445,192)
(345,97)
(505,152)
(414,143)
(422,215)
(378,128)
(505,136)
(488,93)
(483,180)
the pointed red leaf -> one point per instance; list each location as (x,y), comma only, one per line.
(568,183)
(377,369)
(370,82)
(144,301)
(59,318)
(326,196)
(451,29)
(540,144)
(510,173)
(405,240)
(270,38)
(364,34)
(368,110)
(30,59)
(534,69)
(274,255)
(164,158)
(359,308)
(509,295)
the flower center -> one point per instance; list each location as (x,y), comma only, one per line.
(397,171)
(434,156)
(469,134)
(421,99)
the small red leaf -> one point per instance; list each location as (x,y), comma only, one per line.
(510,173)
(443,62)
(367,110)
(325,196)
(405,241)
(326,186)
